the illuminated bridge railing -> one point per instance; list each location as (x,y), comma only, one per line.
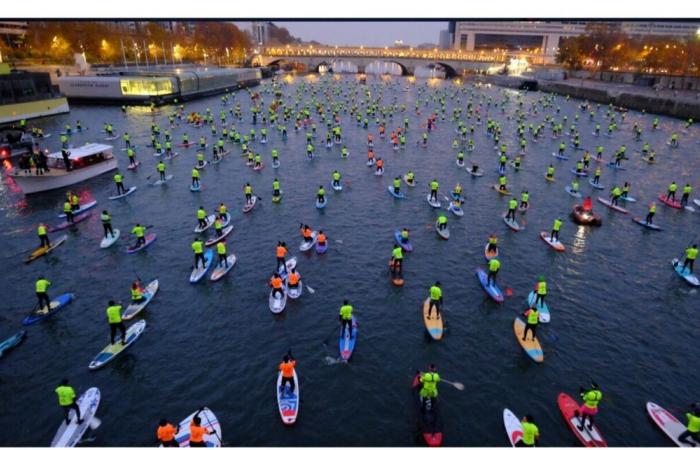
(383,53)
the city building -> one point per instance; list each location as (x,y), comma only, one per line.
(445,40)
(261,32)
(543,37)
(12,33)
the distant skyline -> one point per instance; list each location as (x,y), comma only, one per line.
(371,34)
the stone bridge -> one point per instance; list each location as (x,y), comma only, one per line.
(453,62)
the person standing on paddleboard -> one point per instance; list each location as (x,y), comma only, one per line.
(106,219)
(686,193)
(119,180)
(435,299)
(248,191)
(493,243)
(433,190)
(281,254)
(615,194)
(68,211)
(195,177)
(287,368)
(397,185)
(554,236)
(672,188)
(650,214)
(221,251)
(541,290)
(276,188)
(533,318)
(442,222)
(114,318)
(589,409)
(218,226)
(524,200)
(321,196)
(66,398)
(345,316)
(512,205)
(693,430)
(429,381)
(161,170)
(202,217)
(198,249)
(494,266)
(397,260)
(691,253)
(139,231)
(531,434)
(336,178)
(166,433)
(41,287)
(42,231)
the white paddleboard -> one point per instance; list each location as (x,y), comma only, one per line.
(668,423)
(221,270)
(277,302)
(111,351)
(134,308)
(304,246)
(288,402)
(513,427)
(208,420)
(69,435)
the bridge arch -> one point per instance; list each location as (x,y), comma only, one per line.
(373,63)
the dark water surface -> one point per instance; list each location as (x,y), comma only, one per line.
(620,315)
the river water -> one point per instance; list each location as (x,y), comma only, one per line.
(620,316)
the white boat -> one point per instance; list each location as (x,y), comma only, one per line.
(87,162)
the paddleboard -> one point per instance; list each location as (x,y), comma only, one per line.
(221,270)
(628,199)
(224,232)
(304,246)
(513,427)
(134,308)
(668,423)
(294,292)
(275,164)
(545,316)
(338,187)
(493,291)
(570,410)
(614,167)
(512,224)
(405,246)
(290,264)
(459,164)
(550,179)
(194,188)
(433,323)
(202,166)
(644,223)
(579,174)
(320,205)
(502,192)
(395,281)
(260,167)
(555,244)
(673,204)
(277,198)
(111,351)
(210,221)
(697,201)
(435,203)
(247,207)
(395,195)
(80,210)
(650,161)
(457,211)
(76,220)
(11,342)
(57,303)
(444,233)
(321,248)
(379,172)
(128,192)
(41,251)
(134,165)
(595,185)
(531,347)
(346,342)
(150,238)
(199,271)
(412,184)
(571,193)
(109,240)
(611,206)
(288,401)
(692,279)
(173,155)
(159,181)
(69,435)
(277,302)
(489,255)
(208,420)
(111,138)
(558,156)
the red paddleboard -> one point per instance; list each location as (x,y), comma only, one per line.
(673,204)
(570,410)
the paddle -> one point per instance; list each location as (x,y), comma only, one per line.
(94,423)
(457,385)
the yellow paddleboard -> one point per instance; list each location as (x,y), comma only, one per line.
(531,347)
(432,323)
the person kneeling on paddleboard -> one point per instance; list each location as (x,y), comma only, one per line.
(66,398)
(346,318)
(693,430)
(287,368)
(397,260)
(494,265)
(276,283)
(554,236)
(435,299)
(321,238)
(198,249)
(114,317)
(197,432)
(591,399)
(306,233)
(533,318)
(136,292)
(166,433)
(42,285)
(531,434)
(429,381)
(691,253)
(512,205)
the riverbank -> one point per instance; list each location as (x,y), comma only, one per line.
(674,103)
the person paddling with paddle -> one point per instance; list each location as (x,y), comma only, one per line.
(66,398)
(197,431)
(672,188)
(554,236)
(589,409)
(248,191)
(615,194)
(435,299)
(345,316)
(41,286)
(531,434)
(686,193)
(114,318)
(533,318)
(693,431)
(512,205)
(106,219)
(287,368)
(433,190)
(321,196)
(166,433)
(691,253)
(494,266)
(139,231)
(42,231)
(396,262)
(429,381)
(202,217)
(281,254)
(119,180)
